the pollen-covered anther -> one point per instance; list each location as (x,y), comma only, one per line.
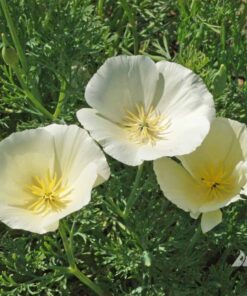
(48,194)
(145,127)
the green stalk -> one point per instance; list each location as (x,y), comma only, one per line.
(86,281)
(67,245)
(18,47)
(133,196)
(60,99)
(30,95)
(100,8)
(132,21)
(14,34)
(73,269)
(136,41)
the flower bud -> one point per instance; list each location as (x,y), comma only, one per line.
(10,56)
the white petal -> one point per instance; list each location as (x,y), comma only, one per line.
(80,196)
(116,143)
(112,137)
(185,132)
(187,104)
(184,92)
(18,218)
(195,215)
(32,153)
(177,185)
(121,83)
(234,199)
(244,190)
(177,141)
(240,131)
(239,175)
(23,155)
(210,219)
(221,146)
(21,218)
(52,227)
(75,149)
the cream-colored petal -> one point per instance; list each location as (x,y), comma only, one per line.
(181,135)
(21,218)
(221,147)
(23,155)
(240,131)
(234,199)
(111,137)
(116,143)
(159,90)
(121,83)
(244,190)
(178,186)
(75,149)
(210,219)
(79,197)
(188,105)
(176,141)
(52,227)
(195,215)
(238,177)
(36,153)
(184,92)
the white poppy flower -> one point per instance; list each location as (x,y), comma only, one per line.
(143,111)
(209,178)
(46,174)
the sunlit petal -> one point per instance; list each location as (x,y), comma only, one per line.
(46,174)
(209,178)
(152,110)
(210,220)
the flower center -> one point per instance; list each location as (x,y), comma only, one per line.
(218,182)
(145,127)
(49,194)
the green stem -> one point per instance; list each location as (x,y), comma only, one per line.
(5,41)
(30,95)
(14,34)
(67,245)
(73,269)
(60,99)
(100,8)
(86,281)
(133,195)
(136,41)
(132,21)
(18,47)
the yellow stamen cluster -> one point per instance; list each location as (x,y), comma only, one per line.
(145,127)
(49,194)
(217,181)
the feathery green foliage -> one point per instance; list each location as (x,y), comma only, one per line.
(156,252)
